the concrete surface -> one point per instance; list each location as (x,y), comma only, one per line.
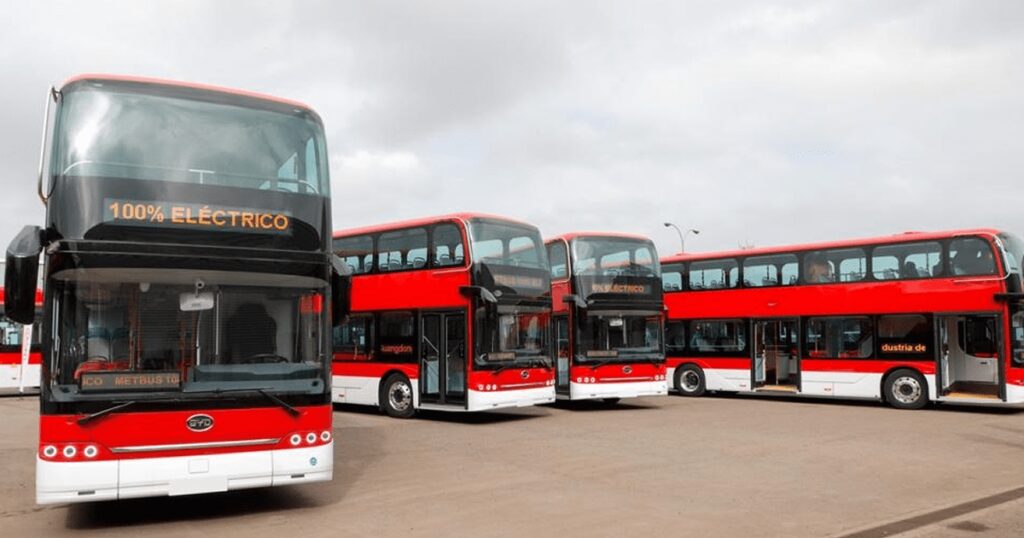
(671,466)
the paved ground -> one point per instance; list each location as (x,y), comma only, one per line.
(730,466)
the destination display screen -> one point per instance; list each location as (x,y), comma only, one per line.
(134,381)
(630,288)
(200,216)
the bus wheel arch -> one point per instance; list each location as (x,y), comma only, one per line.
(396,396)
(904,387)
(689,380)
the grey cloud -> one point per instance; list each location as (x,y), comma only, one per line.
(768,123)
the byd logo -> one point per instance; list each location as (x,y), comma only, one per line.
(199,423)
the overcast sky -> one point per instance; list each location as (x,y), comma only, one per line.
(756,123)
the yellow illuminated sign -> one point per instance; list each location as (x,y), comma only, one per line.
(98,381)
(632,289)
(196,215)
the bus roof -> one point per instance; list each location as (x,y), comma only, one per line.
(905,237)
(569,236)
(100,77)
(424,221)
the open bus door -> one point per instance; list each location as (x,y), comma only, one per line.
(775,363)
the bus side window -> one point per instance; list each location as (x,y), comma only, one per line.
(675,337)
(970,256)
(353,340)
(446,246)
(1017,330)
(672,277)
(558,257)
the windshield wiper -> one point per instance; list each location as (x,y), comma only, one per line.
(284,405)
(89,418)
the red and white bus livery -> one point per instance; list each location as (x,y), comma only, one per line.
(20,352)
(448,313)
(188,292)
(608,316)
(907,319)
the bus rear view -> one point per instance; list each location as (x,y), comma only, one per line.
(187,292)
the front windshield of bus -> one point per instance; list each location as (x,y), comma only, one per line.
(123,333)
(513,335)
(509,259)
(498,243)
(611,336)
(114,130)
(607,256)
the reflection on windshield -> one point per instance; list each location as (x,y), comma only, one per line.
(185,335)
(609,336)
(614,257)
(123,134)
(511,333)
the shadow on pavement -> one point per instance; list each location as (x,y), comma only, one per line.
(453,417)
(604,406)
(944,407)
(355,449)
(131,512)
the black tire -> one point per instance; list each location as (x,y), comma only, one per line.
(905,389)
(611,401)
(396,398)
(690,380)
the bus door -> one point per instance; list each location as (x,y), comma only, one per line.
(443,358)
(776,355)
(969,358)
(562,355)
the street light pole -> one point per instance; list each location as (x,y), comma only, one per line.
(682,236)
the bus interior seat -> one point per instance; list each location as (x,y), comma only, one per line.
(909,270)
(98,344)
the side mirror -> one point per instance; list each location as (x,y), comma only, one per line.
(21,274)
(479,291)
(571,299)
(341,291)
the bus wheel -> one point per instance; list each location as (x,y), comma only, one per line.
(690,380)
(396,397)
(906,389)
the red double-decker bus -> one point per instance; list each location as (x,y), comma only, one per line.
(448,313)
(907,319)
(187,275)
(20,354)
(608,316)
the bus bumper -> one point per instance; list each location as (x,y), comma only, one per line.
(628,389)
(477,400)
(88,481)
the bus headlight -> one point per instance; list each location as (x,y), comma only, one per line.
(50,451)
(296,439)
(310,437)
(90,451)
(70,451)
(325,436)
